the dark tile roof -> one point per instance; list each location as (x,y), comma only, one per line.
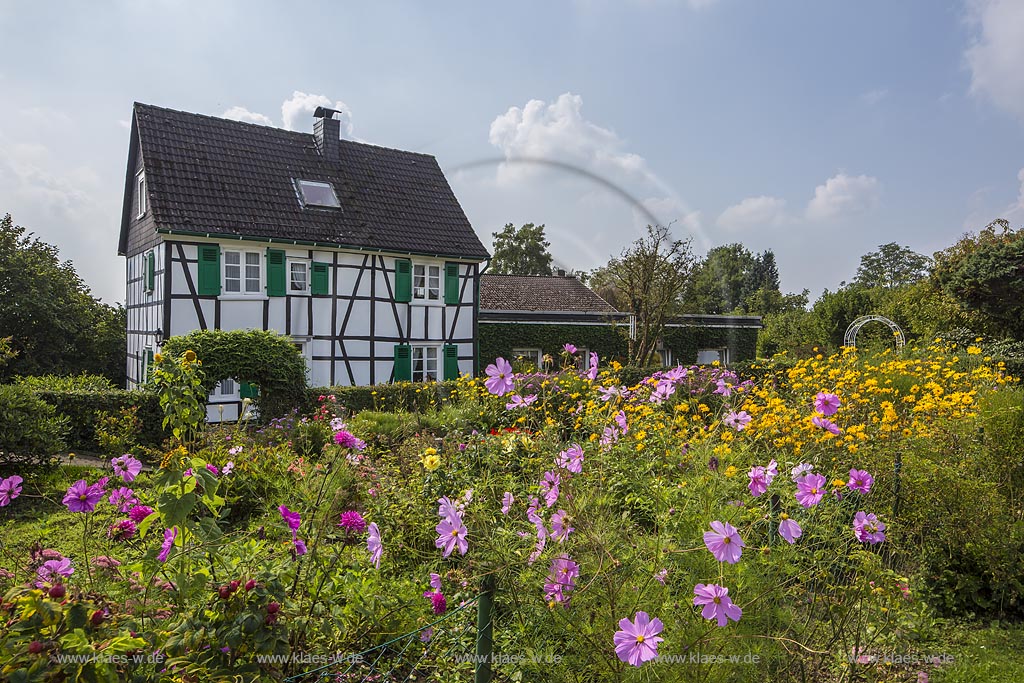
(539,293)
(212,175)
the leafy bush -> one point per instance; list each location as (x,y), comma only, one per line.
(82,408)
(398,396)
(81,382)
(30,430)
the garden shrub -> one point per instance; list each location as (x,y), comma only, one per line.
(397,396)
(84,408)
(31,431)
(80,382)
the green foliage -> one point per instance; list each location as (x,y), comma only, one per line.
(892,266)
(179,382)
(396,396)
(80,382)
(119,433)
(83,408)
(684,342)
(30,430)
(499,339)
(55,324)
(6,352)
(521,251)
(265,359)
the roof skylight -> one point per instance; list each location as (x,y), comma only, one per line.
(315,193)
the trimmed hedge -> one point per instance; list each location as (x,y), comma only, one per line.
(405,396)
(498,340)
(81,408)
(684,342)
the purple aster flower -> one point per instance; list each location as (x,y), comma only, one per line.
(637,641)
(810,489)
(127,467)
(717,604)
(122,530)
(723,388)
(373,544)
(518,401)
(758,481)
(451,533)
(300,547)
(826,404)
(123,498)
(346,439)
(426,635)
(81,497)
(435,581)
(165,549)
(724,542)
(549,487)
(571,459)
(139,513)
(789,529)
(592,370)
(52,571)
(352,522)
(737,421)
(828,425)
(801,470)
(569,348)
(506,502)
(10,488)
(560,528)
(437,601)
(661,576)
(620,419)
(499,377)
(867,528)
(293,519)
(860,481)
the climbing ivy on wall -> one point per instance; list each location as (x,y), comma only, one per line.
(684,342)
(266,359)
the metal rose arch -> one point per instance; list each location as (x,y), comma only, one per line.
(850,338)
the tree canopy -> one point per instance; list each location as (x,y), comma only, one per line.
(55,324)
(892,266)
(521,251)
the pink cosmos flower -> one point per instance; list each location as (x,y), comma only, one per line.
(800,470)
(717,604)
(127,467)
(860,481)
(620,419)
(771,471)
(374,545)
(52,571)
(758,481)
(10,488)
(549,487)
(293,519)
(560,529)
(637,641)
(230,466)
(571,459)
(451,533)
(790,530)
(518,401)
(499,377)
(122,498)
(661,576)
(506,502)
(165,548)
(446,508)
(592,371)
(737,421)
(724,542)
(608,393)
(610,436)
(569,348)
(826,404)
(122,530)
(352,522)
(561,579)
(723,388)
(435,581)
(300,547)
(139,513)
(810,489)
(828,425)
(662,392)
(437,601)
(867,528)
(81,497)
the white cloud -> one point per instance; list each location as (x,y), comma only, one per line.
(843,195)
(559,132)
(297,112)
(124,123)
(243,114)
(754,212)
(997,53)
(873,97)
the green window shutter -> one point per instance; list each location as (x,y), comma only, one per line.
(451,361)
(147,372)
(403,363)
(209,270)
(320,281)
(403,280)
(451,284)
(277,281)
(150,271)
(247,390)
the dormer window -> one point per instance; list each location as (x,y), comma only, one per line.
(315,193)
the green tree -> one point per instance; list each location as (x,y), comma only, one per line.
(521,251)
(649,279)
(55,324)
(892,266)
(721,280)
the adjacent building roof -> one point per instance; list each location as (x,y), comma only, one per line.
(554,294)
(211,175)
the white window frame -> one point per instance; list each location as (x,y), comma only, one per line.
(218,395)
(140,191)
(305,345)
(534,355)
(665,357)
(309,272)
(723,356)
(261,291)
(423,349)
(582,358)
(299,182)
(423,295)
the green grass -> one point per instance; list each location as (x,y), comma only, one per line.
(994,653)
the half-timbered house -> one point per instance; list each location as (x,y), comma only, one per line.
(361,254)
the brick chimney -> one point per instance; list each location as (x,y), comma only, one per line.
(327,132)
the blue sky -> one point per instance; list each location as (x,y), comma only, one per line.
(817,129)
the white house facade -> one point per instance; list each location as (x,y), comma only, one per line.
(360,254)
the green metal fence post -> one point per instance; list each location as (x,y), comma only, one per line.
(484,631)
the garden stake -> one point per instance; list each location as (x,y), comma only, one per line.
(484,632)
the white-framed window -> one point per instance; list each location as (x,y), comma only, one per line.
(582,358)
(140,191)
(224,391)
(532,356)
(426,282)
(665,357)
(243,272)
(298,277)
(425,363)
(709,356)
(317,193)
(304,345)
